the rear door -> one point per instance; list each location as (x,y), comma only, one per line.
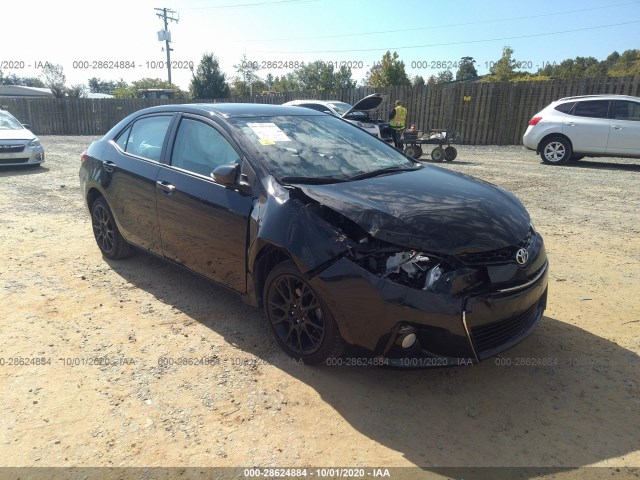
(203,224)
(624,130)
(588,126)
(128,177)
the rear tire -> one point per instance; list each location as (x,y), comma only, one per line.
(299,319)
(108,237)
(450,153)
(555,151)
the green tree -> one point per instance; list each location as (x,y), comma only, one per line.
(208,81)
(466,69)
(504,69)
(418,81)
(321,76)
(627,64)
(97,85)
(77,90)
(444,76)
(286,83)
(390,71)
(55,79)
(243,82)
(13,79)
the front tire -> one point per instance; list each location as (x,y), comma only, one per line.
(301,322)
(556,151)
(108,237)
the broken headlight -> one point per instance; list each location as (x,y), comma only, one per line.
(414,269)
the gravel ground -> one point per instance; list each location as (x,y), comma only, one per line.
(566,397)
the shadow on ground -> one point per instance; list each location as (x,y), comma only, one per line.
(562,398)
(595,165)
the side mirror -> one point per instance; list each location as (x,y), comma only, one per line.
(27,126)
(226,175)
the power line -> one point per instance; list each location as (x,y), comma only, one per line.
(432,27)
(249,4)
(460,43)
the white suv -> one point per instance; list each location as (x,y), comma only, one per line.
(588,126)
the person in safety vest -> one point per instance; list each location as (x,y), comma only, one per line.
(398,120)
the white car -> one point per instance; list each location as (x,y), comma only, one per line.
(358,114)
(588,126)
(18,146)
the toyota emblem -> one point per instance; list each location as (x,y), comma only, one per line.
(522,256)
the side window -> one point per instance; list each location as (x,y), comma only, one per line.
(625,110)
(592,108)
(123,139)
(565,107)
(200,148)
(146,137)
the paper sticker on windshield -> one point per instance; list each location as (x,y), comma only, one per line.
(268,133)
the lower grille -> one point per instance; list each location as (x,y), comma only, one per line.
(494,335)
(5,161)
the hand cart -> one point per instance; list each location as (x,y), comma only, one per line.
(413,141)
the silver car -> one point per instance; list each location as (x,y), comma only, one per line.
(18,146)
(588,126)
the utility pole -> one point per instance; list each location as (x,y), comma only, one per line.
(166,16)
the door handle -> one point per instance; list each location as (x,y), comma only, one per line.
(571,124)
(109,166)
(616,127)
(166,187)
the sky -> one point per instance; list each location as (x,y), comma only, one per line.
(87,38)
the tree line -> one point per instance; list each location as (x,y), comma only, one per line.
(208,80)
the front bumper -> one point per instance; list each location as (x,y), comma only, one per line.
(372,313)
(22,156)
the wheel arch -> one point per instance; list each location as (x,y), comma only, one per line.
(92,195)
(266,260)
(549,136)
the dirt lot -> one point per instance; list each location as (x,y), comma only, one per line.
(64,305)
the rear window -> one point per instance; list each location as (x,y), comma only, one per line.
(592,108)
(565,107)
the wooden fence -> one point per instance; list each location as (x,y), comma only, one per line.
(484,113)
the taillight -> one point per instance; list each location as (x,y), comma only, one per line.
(534,121)
(84,156)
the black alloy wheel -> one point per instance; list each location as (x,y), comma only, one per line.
(302,324)
(106,232)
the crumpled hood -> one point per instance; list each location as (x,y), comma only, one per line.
(432,209)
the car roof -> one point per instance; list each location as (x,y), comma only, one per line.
(321,102)
(231,110)
(600,97)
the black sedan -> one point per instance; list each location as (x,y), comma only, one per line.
(339,237)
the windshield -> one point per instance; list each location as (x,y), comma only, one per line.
(318,147)
(8,122)
(340,107)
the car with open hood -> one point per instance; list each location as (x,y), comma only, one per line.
(360,114)
(341,239)
(18,145)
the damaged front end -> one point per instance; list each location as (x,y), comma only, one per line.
(414,308)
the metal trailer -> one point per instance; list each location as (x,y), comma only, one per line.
(413,144)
